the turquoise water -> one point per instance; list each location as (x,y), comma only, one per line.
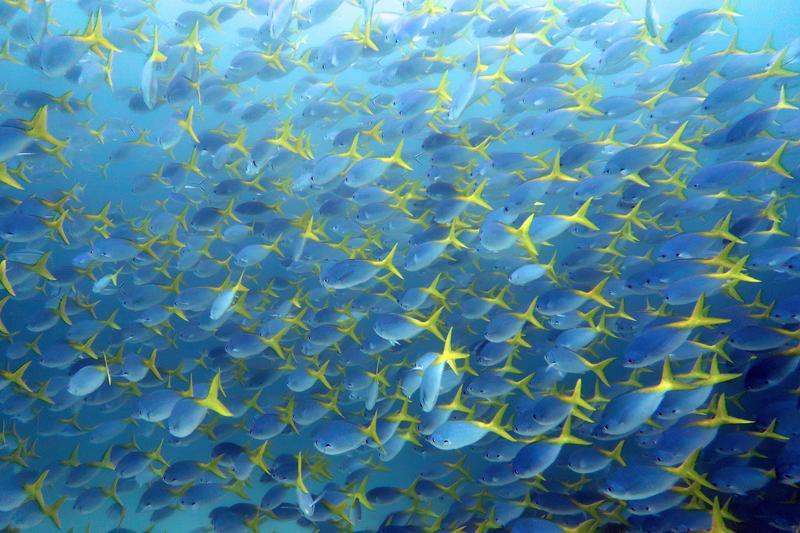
(507,274)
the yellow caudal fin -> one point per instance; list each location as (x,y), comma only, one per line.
(598,369)
(319,374)
(193,39)
(475,197)
(61,311)
(727,10)
(388,262)
(566,436)
(371,431)
(375,132)
(4,278)
(668,381)
(523,235)
(686,470)
(699,317)
(93,35)
(37,128)
(674,142)
(575,67)
(495,425)
(212,401)
(8,179)
(774,163)
(782,103)
(596,294)
(15,377)
(57,225)
(33,491)
(776,68)
(576,398)
(615,454)
(300,483)
(579,217)
(187,124)
(40,267)
(156,56)
(431,324)
(720,416)
(397,157)
(110,322)
(150,364)
(528,315)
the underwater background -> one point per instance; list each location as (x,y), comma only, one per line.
(283,265)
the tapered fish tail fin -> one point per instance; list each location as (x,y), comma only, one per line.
(51,511)
(580,216)
(371,431)
(213,17)
(4,278)
(156,56)
(522,233)
(212,401)
(699,317)
(213,466)
(575,67)
(576,399)
(475,197)
(598,369)
(596,294)
(495,425)
(769,432)
(388,262)
(110,322)
(687,471)
(431,324)
(187,124)
(61,311)
(622,5)
(528,315)
(64,101)
(16,377)
(365,39)
(481,147)
(375,131)
(34,490)
(727,10)
(522,385)
(57,225)
(150,364)
(192,40)
(319,374)
(300,483)
(147,247)
(720,416)
(452,237)
(37,128)
(774,163)
(40,267)
(360,494)
(93,35)
(675,143)
(615,454)
(668,381)
(782,103)
(566,436)
(397,157)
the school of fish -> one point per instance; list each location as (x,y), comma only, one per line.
(469,266)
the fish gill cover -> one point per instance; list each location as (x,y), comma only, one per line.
(466,266)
